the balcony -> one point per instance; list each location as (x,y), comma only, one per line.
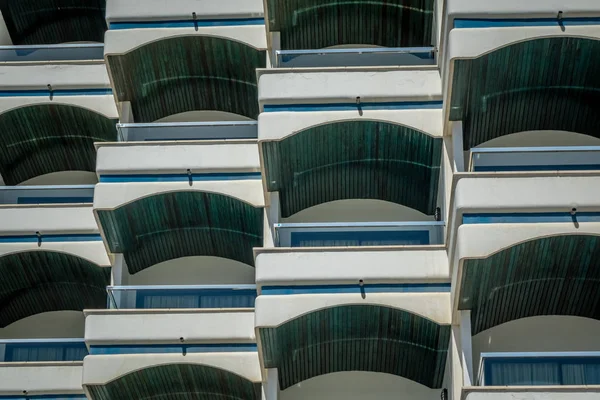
(359,234)
(540,369)
(33,367)
(179,131)
(56,101)
(549,356)
(50,218)
(230,38)
(181,296)
(355,57)
(565,158)
(192,348)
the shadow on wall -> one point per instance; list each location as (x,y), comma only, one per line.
(54,324)
(197,270)
(360,386)
(357,210)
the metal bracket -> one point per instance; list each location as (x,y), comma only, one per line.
(39,238)
(190,177)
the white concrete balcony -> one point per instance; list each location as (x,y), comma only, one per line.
(207,341)
(353,89)
(129,171)
(37,367)
(70,74)
(51,218)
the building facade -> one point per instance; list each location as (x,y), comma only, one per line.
(299,199)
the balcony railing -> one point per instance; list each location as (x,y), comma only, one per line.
(52,52)
(67,194)
(539,369)
(567,158)
(361,57)
(38,350)
(359,234)
(181,296)
(188,131)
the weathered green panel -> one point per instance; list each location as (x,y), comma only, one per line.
(180,224)
(42,281)
(357,338)
(178,382)
(354,160)
(542,84)
(315,24)
(551,276)
(54,21)
(45,138)
(188,73)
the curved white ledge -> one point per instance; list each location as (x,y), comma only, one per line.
(279,125)
(109,196)
(272,311)
(122,41)
(103,369)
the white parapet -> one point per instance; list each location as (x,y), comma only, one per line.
(61,76)
(348,265)
(156,10)
(152,157)
(285,86)
(163,326)
(40,378)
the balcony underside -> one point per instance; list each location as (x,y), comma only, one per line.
(54,21)
(354,160)
(311,24)
(40,281)
(181,224)
(188,73)
(42,139)
(379,338)
(550,276)
(177,381)
(510,90)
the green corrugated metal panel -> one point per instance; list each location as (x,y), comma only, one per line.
(550,276)
(41,281)
(54,21)
(178,382)
(180,224)
(315,24)
(188,73)
(354,160)
(45,138)
(543,84)
(357,338)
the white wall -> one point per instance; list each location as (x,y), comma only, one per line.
(199,270)
(360,386)
(204,116)
(63,178)
(357,210)
(54,324)
(543,333)
(542,139)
